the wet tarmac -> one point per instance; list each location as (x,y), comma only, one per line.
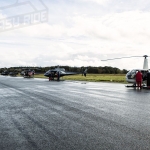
(36,114)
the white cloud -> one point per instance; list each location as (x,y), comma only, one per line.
(101,2)
(80,38)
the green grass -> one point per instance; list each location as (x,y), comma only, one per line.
(98,78)
(93,77)
(39,76)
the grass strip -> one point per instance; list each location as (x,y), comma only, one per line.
(120,78)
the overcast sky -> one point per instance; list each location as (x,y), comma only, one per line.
(77,33)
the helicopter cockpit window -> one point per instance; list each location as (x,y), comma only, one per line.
(132,73)
(48,71)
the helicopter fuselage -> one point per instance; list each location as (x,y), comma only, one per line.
(130,76)
(54,73)
(60,72)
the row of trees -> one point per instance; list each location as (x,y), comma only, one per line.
(94,70)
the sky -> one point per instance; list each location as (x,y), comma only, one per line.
(74,32)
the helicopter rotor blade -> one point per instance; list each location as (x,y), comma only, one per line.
(121,58)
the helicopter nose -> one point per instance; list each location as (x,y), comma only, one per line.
(46,74)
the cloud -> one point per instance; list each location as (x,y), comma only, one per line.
(100,2)
(7,3)
(80,37)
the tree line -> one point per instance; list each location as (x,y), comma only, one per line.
(91,69)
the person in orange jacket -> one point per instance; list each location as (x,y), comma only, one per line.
(138,79)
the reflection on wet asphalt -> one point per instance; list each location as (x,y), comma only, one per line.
(36,114)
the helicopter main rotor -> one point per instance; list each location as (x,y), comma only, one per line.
(145,65)
(145,56)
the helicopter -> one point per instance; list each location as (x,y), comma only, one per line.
(60,72)
(130,76)
(28,73)
(13,74)
(5,73)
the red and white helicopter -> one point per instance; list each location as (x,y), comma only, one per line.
(130,76)
(28,73)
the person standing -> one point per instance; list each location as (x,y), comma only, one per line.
(139,79)
(58,75)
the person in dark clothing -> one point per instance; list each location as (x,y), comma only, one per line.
(58,76)
(139,79)
(145,75)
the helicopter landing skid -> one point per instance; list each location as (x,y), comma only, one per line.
(134,86)
(146,87)
(28,76)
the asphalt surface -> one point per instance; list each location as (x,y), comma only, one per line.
(36,114)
